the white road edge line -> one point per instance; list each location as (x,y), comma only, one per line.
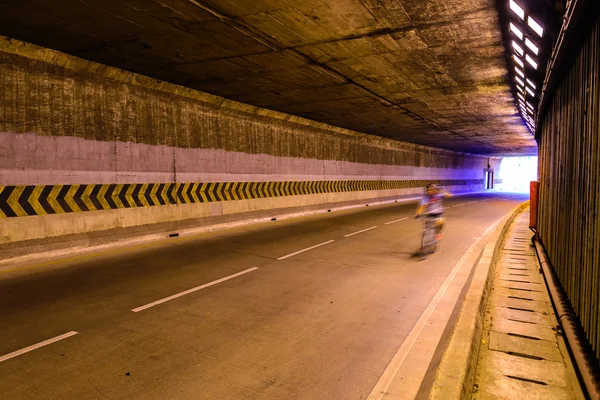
(37,346)
(307,249)
(380,391)
(398,220)
(459,205)
(193,289)
(356,233)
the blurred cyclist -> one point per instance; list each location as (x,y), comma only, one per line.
(431,206)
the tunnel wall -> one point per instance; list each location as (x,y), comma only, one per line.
(569,193)
(87,147)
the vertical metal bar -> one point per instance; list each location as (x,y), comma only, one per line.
(569,189)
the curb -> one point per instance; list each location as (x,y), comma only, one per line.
(456,374)
(44,252)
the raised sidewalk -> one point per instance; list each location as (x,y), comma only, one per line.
(506,344)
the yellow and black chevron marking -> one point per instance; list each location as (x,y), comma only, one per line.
(22,201)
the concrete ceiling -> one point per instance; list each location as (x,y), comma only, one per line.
(431,72)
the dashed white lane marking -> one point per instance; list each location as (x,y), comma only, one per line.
(193,290)
(471,202)
(356,233)
(459,205)
(37,346)
(307,249)
(398,220)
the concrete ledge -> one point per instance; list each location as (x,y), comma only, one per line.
(456,374)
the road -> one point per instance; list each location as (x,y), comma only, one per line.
(317,324)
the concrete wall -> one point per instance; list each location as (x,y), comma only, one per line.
(75,134)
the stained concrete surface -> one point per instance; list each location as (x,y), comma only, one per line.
(322,324)
(427,72)
(522,356)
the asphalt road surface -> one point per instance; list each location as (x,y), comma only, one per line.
(237,314)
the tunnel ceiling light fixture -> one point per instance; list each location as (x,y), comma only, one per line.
(521,96)
(531,61)
(518,48)
(531,84)
(529,105)
(532,46)
(517,9)
(516,31)
(520,72)
(537,28)
(520,81)
(518,61)
(531,93)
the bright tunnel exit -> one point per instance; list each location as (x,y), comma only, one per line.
(516,172)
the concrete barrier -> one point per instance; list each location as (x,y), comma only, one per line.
(456,374)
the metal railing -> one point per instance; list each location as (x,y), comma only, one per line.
(569,192)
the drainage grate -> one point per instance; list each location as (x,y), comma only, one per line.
(523,290)
(523,322)
(526,380)
(520,298)
(514,353)
(520,309)
(516,280)
(523,336)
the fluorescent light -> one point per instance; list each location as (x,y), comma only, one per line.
(517,48)
(535,26)
(529,105)
(520,81)
(520,72)
(521,96)
(531,46)
(531,93)
(531,61)
(531,84)
(518,61)
(516,31)
(517,9)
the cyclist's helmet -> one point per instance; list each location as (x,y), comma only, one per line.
(431,186)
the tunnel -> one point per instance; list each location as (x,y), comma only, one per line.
(283,199)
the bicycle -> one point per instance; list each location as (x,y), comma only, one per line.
(429,239)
